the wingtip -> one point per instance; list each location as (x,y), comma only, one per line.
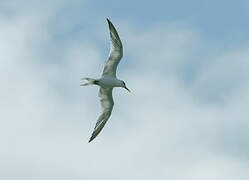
(92,138)
(109,22)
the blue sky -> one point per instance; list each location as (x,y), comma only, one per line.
(217,20)
(185,62)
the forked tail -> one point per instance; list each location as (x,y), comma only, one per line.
(90,81)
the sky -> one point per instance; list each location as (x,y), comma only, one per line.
(186,64)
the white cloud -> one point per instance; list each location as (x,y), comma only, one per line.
(163,129)
(223,76)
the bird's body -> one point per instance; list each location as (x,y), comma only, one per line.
(108,80)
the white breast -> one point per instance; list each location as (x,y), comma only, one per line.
(109,82)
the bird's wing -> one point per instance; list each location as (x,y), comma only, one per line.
(116,52)
(107,103)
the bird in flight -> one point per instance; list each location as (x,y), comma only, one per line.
(108,80)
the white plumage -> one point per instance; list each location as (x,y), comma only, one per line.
(108,80)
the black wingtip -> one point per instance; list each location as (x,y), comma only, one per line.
(92,138)
(109,22)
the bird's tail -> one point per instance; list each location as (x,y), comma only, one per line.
(90,81)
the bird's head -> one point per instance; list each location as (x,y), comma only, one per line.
(124,86)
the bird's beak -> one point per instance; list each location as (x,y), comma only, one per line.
(127,89)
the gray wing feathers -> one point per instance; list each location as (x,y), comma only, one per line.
(107,103)
(116,52)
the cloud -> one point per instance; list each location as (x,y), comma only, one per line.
(186,117)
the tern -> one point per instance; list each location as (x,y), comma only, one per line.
(108,80)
